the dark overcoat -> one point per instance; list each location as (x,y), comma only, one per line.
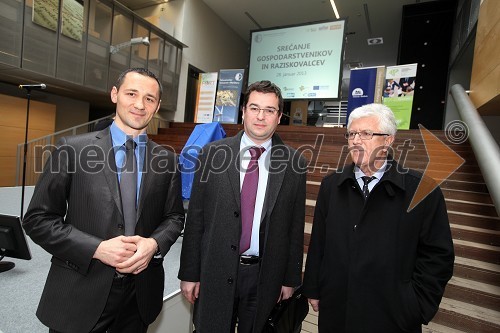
(374,266)
(210,252)
(76,205)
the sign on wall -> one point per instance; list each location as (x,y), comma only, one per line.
(228,95)
(206,98)
(398,92)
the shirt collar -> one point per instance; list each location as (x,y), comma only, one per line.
(378,174)
(246,142)
(393,174)
(119,137)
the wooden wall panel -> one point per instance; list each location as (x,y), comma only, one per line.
(485,77)
(8,167)
(12,130)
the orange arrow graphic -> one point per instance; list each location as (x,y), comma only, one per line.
(443,162)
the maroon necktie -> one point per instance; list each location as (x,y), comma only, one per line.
(248,195)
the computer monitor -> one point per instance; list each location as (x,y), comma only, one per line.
(12,241)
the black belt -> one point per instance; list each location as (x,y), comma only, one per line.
(249,260)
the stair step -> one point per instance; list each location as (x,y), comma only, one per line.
(452,184)
(476,197)
(473,292)
(436,328)
(467,317)
(310,323)
(476,270)
(477,251)
(487,266)
(474,220)
(473,234)
(471,207)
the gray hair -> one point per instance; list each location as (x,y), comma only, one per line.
(386,120)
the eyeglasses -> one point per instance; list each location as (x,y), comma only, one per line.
(255,110)
(363,135)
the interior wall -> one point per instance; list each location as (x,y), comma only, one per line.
(493,124)
(13,112)
(70,112)
(485,87)
(48,113)
(460,73)
(212,45)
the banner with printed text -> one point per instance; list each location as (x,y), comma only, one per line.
(399,90)
(228,95)
(206,98)
(365,87)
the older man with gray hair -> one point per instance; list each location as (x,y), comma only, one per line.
(373,265)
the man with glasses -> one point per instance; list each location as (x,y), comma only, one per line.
(243,242)
(373,265)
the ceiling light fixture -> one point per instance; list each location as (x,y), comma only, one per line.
(335,9)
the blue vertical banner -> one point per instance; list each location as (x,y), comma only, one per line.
(365,87)
(227,100)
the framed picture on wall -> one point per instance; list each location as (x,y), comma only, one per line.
(72,19)
(45,13)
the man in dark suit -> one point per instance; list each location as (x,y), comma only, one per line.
(107,266)
(375,265)
(233,273)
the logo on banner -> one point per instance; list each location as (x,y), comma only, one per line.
(393,71)
(357,92)
(238,76)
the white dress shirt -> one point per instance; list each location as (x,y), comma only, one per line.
(378,175)
(264,161)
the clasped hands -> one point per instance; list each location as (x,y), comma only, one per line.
(128,254)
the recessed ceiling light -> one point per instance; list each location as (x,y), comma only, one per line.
(375,41)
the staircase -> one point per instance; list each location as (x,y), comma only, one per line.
(471,302)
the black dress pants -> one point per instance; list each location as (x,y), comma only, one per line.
(121,314)
(245,301)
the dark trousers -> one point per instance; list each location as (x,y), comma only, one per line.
(245,301)
(121,314)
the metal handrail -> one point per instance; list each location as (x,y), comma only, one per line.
(483,144)
(35,163)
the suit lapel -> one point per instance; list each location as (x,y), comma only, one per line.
(234,167)
(103,140)
(279,154)
(147,177)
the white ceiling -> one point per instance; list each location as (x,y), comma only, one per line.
(384,17)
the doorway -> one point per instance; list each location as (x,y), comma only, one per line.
(191,93)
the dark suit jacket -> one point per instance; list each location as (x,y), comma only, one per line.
(210,249)
(374,266)
(76,204)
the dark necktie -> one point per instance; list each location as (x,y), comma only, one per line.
(128,188)
(248,195)
(366,181)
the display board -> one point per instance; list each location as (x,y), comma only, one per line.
(305,61)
